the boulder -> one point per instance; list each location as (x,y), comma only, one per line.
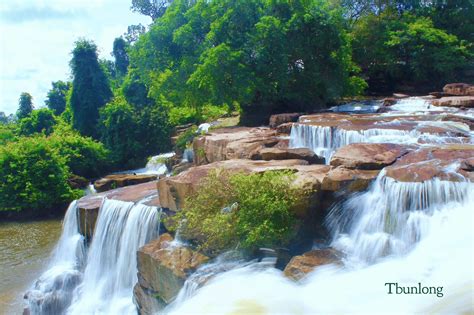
(368,156)
(448,162)
(455,101)
(278,119)
(121,180)
(300,266)
(77,182)
(232,143)
(274,153)
(147,301)
(459,89)
(285,128)
(88,206)
(352,180)
(164,266)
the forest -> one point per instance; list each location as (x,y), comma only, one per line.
(200,60)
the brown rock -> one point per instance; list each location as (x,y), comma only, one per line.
(389,101)
(368,156)
(163,267)
(459,89)
(147,301)
(268,154)
(278,119)
(455,101)
(77,182)
(121,180)
(429,163)
(300,266)
(353,180)
(285,128)
(400,95)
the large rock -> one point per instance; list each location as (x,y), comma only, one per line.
(368,156)
(164,266)
(232,143)
(274,153)
(278,119)
(459,89)
(147,301)
(448,162)
(300,266)
(352,180)
(88,206)
(174,190)
(121,180)
(455,101)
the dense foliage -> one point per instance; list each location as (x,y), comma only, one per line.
(56,98)
(25,105)
(39,121)
(241,210)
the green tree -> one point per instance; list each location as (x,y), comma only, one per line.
(39,121)
(151,8)
(121,56)
(90,90)
(133,33)
(3,118)
(25,105)
(56,98)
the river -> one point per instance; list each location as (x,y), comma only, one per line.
(24,251)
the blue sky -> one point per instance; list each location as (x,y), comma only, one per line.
(37,36)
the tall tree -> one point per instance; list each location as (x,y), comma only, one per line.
(121,56)
(25,105)
(151,8)
(134,32)
(56,98)
(91,89)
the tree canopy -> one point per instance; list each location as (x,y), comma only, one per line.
(25,105)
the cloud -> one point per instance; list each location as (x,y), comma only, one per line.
(28,14)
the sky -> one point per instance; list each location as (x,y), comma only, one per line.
(37,37)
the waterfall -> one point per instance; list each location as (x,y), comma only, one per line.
(101,282)
(434,219)
(52,292)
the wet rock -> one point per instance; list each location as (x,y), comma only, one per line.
(284,128)
(77,182)
(455,101)
(459,89)
(268,154)
(232,143)
(147,301)
(389,101)
(121,180)
(449,162)
(400,95)
(181,167)
(278,119)
(164,266)
(353,180)
(368,156)
(88,206)
(300,266)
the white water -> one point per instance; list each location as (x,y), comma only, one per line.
(105,283)
(154,166)
(439,254)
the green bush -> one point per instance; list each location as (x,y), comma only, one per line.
(34,176)
(186,138)
(241,210)
(39,121)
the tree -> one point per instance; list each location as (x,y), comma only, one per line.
(151,8)
(56,98)
(3,118)
(91,90)
(133,33)
(25,105)
(121,56)
(39,121)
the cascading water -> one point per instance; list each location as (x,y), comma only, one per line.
(109,270)
(433,219)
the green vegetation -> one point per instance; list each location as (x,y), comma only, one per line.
(25,105)
(56,98)
(241,210)
(39,121)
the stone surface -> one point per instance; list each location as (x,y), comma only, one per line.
(455,101)
(89,206)
(445,163)
(232,143)
(121,180)
(77,182)
(300,266)
(459,89)
(147,301)
(341,178)
(368,156)
(274,153)
(278,119)
(163,266)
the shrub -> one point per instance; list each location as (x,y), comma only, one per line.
(39,121)
(241,210)
(34,176)
(186,138)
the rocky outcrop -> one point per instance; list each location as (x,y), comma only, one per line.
(300,266)
(232,143)
(121,180)
(459,89)
(147,301)
(449,162)
(163,267)
(455,101)
(352,180)
(368,156)
(88,206)
(274,153)
(278,119)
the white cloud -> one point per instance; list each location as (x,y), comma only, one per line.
(36,50)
